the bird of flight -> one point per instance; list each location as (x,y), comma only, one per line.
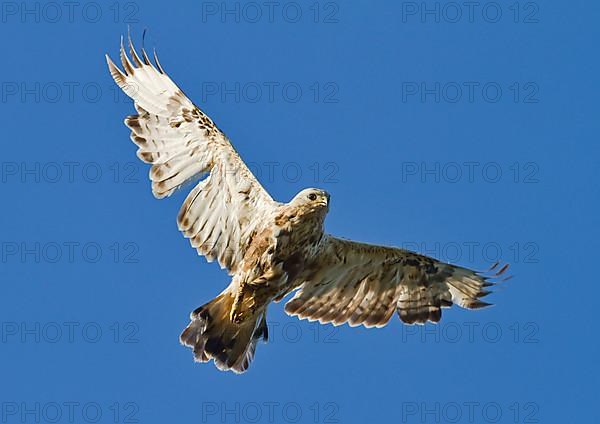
(270,248)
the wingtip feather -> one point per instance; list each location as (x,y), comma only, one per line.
(127,65)
(133,52)
(160,68)
(114,70)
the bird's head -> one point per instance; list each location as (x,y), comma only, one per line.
(312,200)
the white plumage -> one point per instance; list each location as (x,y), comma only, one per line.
(182,144)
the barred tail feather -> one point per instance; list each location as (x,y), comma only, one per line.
(213,335)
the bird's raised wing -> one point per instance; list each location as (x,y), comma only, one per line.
(364,284)
(221,213)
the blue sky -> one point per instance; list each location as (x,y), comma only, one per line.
(467,133)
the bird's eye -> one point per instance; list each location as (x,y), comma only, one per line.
(312,196)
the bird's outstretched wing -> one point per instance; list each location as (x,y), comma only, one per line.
(359,283)
(221,213)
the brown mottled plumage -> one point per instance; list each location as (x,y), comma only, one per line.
(271,249)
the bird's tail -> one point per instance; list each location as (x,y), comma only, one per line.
(213,335)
